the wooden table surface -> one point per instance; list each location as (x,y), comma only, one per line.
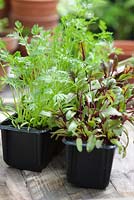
(51,183)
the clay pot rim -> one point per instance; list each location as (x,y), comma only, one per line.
(9,39)
(124,42)
(44,18)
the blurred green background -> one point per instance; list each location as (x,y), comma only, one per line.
(118,14)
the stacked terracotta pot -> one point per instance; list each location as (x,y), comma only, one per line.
(11,43)
(127,47)
(30,12)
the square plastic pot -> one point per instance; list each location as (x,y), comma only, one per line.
(28,150)
(89,170)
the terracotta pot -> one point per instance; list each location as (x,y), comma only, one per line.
(2,13)
(11,43)
(127,47)
(30,12)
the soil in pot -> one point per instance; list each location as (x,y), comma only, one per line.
(89,170)
(25,150)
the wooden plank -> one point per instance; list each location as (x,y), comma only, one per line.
(47,184)
(122,176)
(16,185)
(81,193)
(127,198)
(52,184)
(5,193)
(12,184)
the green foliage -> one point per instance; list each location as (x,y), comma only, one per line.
(64,7)
(3,24)
(2,44)
(2,4)
(44,75)
(80,8)
(35,82)
(119,17)
(117,14)
(76,46)
(98,109)
(67,80)
(79,144)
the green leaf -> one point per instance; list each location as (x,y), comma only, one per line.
(2,44)
(36,29)
(99,143)
(118,144)
(114,124)
(97,119)
(98,75)
(2,4)
(110,134)
(72,126)
(89,97)
(18,24)
(91,143)
(122,107)
(46,113)
(87,132)
(95,85)
(118,131)
(25,123)
(111,111)
(70,114)
(92,123)
(102,25)
(124,77)
(85,112)
(79,144)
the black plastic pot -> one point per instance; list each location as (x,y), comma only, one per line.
(28,150)
(89,170)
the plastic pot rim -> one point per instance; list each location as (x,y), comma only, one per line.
(5,125)
(73,143)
